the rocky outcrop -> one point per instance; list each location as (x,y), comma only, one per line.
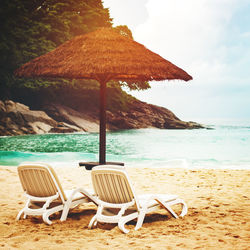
(84,121)
(143,115)
(17,119)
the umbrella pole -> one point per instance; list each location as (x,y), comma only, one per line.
(102,136)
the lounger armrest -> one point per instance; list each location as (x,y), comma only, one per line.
(116,205)
(165,197)
(40,199)
(39,211)
(112,218)
(83,192)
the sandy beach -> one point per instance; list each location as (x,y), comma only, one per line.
(218,215)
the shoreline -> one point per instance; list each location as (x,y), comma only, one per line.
(218,215)
(185,166)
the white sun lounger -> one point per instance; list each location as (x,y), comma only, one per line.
(45,193)
(118,202)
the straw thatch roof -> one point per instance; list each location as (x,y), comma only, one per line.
(102,55)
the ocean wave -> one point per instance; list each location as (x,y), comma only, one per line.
(222,147)
(14,158)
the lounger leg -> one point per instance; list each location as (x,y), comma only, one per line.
(178,201)
(93,222)
(20,214)
(65,212)
(121,225)
(94,219)
(46,216)
(49,212)
(46,219)
(171,211)
(23,210)
(140,220)
(184,209)
(124,220)
(168,205)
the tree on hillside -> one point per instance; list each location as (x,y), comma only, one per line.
(30,28)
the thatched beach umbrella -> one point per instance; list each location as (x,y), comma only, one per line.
(102,55)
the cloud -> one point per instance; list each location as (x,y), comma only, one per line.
(246,34)
(209,39)
(185,31)
(127,12)
(205,38)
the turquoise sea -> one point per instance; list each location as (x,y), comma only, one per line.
(222,146)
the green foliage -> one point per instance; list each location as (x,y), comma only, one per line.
(30,28)
(117,99)
(81,95)
(135,85)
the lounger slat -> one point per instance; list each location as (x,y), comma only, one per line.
(126,190)
(38,183)
(29,182)
(106,187)
(104,193)
(112,187)
(116,191)
(39,190)
(120,189)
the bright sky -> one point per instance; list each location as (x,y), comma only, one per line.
(210,39)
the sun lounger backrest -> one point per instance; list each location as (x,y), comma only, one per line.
(40,180)
(112,185)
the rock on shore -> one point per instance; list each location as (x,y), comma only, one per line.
(18,119)
(144,115)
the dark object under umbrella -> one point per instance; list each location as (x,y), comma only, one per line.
(102,55)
